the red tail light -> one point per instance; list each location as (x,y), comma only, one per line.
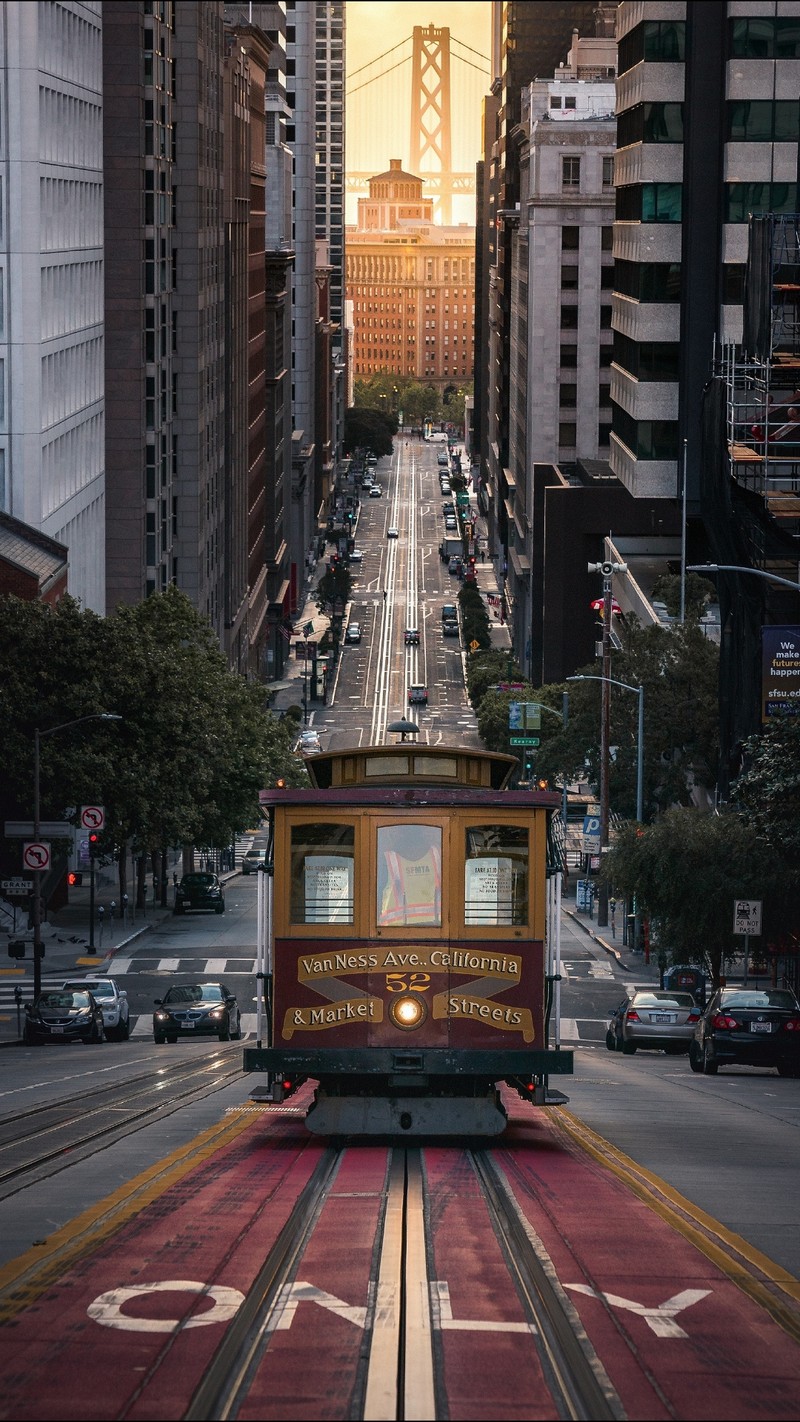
(287,1085)
(632,1015)
(692,1018)
(724,1022)
(793,1025)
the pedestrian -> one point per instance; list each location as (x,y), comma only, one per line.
(612,905)
(384,594)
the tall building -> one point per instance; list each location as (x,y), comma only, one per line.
(412,285)
(52,451)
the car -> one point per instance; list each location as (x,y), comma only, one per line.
(375,491)
(455,565)
(443,459)
(372,459)
(748,1026)
(445,487)
(653,1018)
(252,861)
(113,1002)
(411,636)
(355,555)
(63,1015)
(353,633)
(199,891)
(196,1010)
(366,482)
(308,742)
(450,628)
(392,532)
(449,612)
(417,694)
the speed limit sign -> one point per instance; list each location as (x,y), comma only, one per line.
(93,817)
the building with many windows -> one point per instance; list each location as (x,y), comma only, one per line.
(52,443)
(412,286)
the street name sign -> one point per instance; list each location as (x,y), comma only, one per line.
(524,740)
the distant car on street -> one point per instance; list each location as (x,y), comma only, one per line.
(308,742)
(375,491)
(653,1018)
(353,633)
(392,532)
(113,1002)
(748,1026)
(252,861)
(355,555)
(450,628)
(196,1010)
(411,637)
(63,1015)
(417,694)
(199,891)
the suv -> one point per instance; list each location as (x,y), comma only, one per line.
(112,1001)
(449,612)
(199,891)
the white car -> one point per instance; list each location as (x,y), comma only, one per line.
(392,533)
(111,998)
(308,743)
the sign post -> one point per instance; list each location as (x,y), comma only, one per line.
(747,921)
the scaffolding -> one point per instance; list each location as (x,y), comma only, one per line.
(761,381)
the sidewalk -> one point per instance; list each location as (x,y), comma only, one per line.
(67,948)
(630,962)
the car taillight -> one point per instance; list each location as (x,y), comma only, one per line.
(632,1015)
(793,1025)
(724,1022)
(692,1018)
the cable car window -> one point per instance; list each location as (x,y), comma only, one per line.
(409,875)
(322,873)
(496,875)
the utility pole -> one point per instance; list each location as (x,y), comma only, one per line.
(607,569)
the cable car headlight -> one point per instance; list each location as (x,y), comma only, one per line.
(408,1012)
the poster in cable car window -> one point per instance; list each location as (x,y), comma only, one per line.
(328,888)
(488,890)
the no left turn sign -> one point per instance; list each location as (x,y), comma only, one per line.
(36,855)
(93,817)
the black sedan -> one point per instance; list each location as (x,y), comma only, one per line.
(63,1015)
(199,891)
(748,1027)
(197,1010)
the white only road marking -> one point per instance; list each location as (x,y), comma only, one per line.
(661,1319)
(291,1295)
(107,1309)
(442,1315)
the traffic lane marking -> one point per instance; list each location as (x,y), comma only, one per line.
(596,1218)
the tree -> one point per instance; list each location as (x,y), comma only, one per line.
(485,669)
(368,429)
(687,869)
(474,617)
(767,794)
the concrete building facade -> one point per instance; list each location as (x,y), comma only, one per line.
(52,440)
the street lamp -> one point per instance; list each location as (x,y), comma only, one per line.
(37,902)
(734,568)
(612,681)
(309,627)
(563,717)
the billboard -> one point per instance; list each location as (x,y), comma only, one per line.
(780,671)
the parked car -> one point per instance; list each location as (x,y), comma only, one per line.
(353,633)
(392,532)
(653,1018)
(113,1002)
(252,861)
(443,459)
(450,627)
(375,491)
(199,891)
(411,637)
(63,1015)
(445,487)
(196,1010)
(449,612)
(417,694)
(746,1026)
(455,565)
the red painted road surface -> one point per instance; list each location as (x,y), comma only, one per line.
(677,1338)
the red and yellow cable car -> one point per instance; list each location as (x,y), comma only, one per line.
(408,926)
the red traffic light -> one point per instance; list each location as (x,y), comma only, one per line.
(94,838)
(74,879)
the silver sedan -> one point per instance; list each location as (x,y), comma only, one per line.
(653,1018)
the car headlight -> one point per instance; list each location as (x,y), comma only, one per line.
(162,1017)
(218,1012)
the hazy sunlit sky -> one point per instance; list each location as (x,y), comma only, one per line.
(379,112)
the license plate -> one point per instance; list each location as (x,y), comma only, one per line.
(661,1017)
(58,1029)
(187,1026)
(760,1026)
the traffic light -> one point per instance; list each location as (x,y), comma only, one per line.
(542,783)
(74,879)
(94,840)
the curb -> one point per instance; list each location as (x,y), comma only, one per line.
(613,952)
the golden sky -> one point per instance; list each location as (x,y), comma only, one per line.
(379,36)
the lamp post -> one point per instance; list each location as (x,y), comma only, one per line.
(612,681)
(607,569)
(309,627)
(37,900)
(734,568)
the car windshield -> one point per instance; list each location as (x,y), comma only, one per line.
(194,992)
(97,989)
(663,999)
(64,999)
(735,997)
(201,880)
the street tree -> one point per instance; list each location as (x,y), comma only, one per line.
(369,429)
(767,793)
(686,870)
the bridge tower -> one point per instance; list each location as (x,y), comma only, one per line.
(430,149)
